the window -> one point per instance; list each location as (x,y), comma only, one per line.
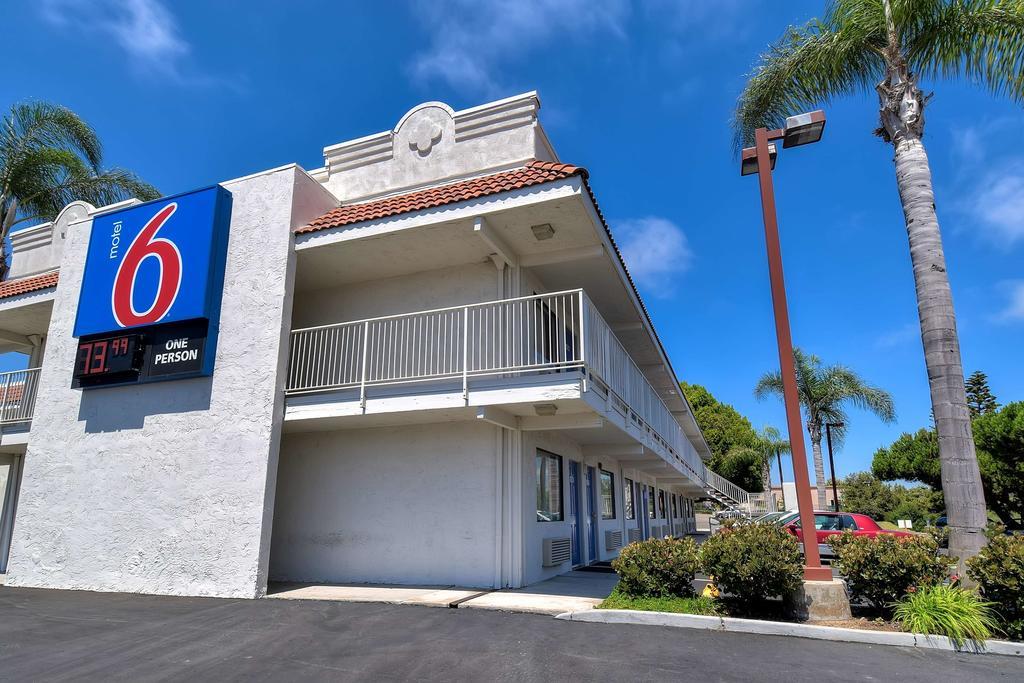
(849,523)
(675,507)
(549,487)
(661,504)
(650,502)
(627,497)
(607,495)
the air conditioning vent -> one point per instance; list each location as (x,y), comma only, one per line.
(613,539)
(634,535)
(557,551)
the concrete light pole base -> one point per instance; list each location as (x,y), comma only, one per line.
(820,601)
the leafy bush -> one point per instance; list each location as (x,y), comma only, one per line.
(692,605)
(885,568)
(753,562)
(944,610)
(940,534)
(999,571)
(659,567)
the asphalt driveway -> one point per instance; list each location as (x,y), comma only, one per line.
(63,635)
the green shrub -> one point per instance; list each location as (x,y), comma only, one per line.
(944,610)
(691,605)
(659,567)
(999,571)
(753,562)
(883,569)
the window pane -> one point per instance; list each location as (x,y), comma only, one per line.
(675,506)
(549,487)
(607,495)
(650,503)
(627,492)
(661,504)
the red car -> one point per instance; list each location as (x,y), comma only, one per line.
(830,523)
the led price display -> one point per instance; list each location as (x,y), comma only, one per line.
(106,357)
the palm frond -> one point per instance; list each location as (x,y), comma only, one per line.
(770,384)
(809,66)
(980,39)
(31,126)
(58,186)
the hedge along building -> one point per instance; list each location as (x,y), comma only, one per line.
(422,363)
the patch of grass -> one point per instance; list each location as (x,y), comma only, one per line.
(946,611)
(697,605)
(889,526)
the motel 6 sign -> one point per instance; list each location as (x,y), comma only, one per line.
(150,298)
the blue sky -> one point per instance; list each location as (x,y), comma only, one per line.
(190,93)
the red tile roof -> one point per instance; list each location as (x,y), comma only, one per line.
(533,173)
(24,285)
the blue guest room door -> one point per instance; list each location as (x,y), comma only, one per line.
(574,496)
(591,526)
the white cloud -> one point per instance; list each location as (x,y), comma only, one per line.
(472,39)
(1014,311)
(656,252)
(898,337)
(144,29)
(997,203)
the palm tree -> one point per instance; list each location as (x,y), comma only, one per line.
(824,392)
(49,157)
(771,445)
(886,45)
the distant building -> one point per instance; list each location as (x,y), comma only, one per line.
(787,493)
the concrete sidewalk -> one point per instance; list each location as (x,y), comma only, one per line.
(571,592)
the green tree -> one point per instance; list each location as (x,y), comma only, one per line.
(743,466)
(867,494)
(1000,439)
(735,452)
(824,393)
(49,157)
(884,46)
(980,400)
(723,426)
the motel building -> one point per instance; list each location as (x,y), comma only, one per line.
(423,363)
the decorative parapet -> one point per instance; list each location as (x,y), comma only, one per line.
(433,143)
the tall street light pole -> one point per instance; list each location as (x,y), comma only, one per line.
(760,159)
(831,462)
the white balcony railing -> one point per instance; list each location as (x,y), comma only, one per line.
(18,395)
(544,333)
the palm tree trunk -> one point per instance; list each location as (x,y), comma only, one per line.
(819,463)
(902,116)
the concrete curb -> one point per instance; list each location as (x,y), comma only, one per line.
(779,628)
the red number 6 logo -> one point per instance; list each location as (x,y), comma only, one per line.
(147,245)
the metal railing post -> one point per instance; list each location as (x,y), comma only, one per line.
(465,354)
(6,395)
(584,340)
(362,373)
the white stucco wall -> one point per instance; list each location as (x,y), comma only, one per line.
(440,288)
(165,487)
(407,505)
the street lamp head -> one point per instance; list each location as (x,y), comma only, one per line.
(803,129)
(748,163)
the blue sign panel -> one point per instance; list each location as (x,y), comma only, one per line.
(150,270)
(158,262)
